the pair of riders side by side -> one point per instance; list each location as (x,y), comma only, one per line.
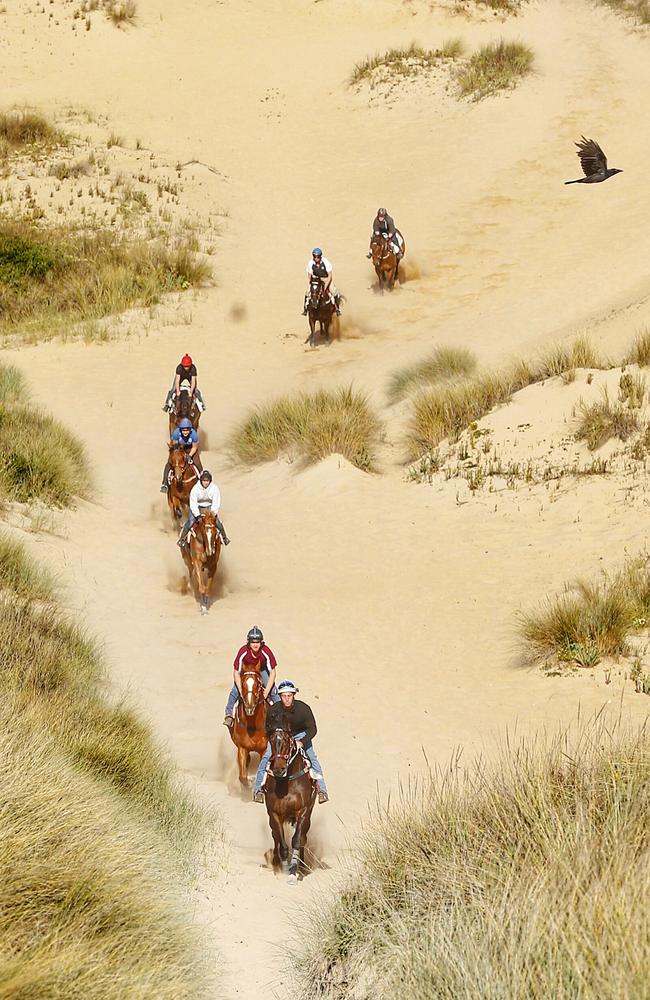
(185,375)
(320,267)
(284,712)
(384,225)
(204,495)
(187,438)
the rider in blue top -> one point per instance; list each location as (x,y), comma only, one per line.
(186,436)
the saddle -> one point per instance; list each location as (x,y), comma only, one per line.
(306,769)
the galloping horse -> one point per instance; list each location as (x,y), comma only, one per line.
(249,731)
(385,261)
(184,476)
(184,406)
(290,796)
(201,556)
(320,309)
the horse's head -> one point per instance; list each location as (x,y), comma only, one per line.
(252,690)
(379,248)
(177,461)
(315,292)
(283,747)
(210,532)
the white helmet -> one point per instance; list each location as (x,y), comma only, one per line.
(287,687)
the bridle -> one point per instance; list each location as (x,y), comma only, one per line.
(286,757)
(384,243)
(209,548)
(256,683)
(316,292)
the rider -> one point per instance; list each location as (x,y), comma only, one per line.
(384,225)
(185,372)
(255,655)
(204,495)
(186,436)
(300,720)
(320,267)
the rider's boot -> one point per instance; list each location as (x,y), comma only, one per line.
(222,532)
(229,721)
(163,488)
(323,797)
(337,308)
(182,538)
(369,255)
(304,306)
(258,797)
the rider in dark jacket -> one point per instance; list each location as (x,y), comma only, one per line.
(384,224)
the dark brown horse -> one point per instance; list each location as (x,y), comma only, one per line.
(249,730)
(184,476)
(184,406)
(385,261)
(290,795)
(201,556)
(320,309)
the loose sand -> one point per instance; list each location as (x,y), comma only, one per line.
(391,604)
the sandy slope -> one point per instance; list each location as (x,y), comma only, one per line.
(391,604)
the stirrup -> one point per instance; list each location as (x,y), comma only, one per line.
(258,796)
(229,721)
(323,797)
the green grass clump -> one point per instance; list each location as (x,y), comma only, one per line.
(310,426)
(20,575)
(405,61)
(19,129)
(55,274)
(526,880)
(603,420)
(494,67)
(637,9)
(591,620)
(444,363)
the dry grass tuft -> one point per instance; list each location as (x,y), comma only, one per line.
(20,575)
(512,882)
(603,420)
(121,12)
(19,129)
(639,353)
(444,363)
(310,426)
(591,620)
(494,67)
(637,9)
(406,61)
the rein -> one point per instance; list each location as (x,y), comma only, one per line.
(288,757)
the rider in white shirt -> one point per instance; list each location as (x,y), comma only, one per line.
(321,267)
(204,495)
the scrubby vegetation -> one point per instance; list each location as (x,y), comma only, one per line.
(39,458)
(591,619)
(50,274)
(444,363)
(637,9)
(522,881)
(23,128)
(494,67)
(406,61)
(639,353)
(309,426)
(605,419)
(95,827)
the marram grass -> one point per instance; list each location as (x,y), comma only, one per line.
(442,364)
(494,67)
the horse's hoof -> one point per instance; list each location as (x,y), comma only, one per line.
(292,880)
(204,611)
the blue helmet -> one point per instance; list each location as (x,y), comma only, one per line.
(287,687)
(185,424)
(317,252)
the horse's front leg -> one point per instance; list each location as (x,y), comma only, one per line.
(279,846)
(243,757)
(200,586)
(298,843)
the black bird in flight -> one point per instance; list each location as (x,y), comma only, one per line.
(593,162)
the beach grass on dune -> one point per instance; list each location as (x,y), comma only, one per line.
(637,9)
(494,67)
(405,61)
(604,419)
(591,619)
(23,128)
(443,363)
(48,275)
(20,575)
(121,11)
(443,411)
(310,426)
(639,353)
(521,881)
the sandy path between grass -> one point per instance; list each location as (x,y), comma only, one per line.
(392,605)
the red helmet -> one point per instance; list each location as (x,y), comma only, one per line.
(186,361)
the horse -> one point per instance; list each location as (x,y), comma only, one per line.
(249,730)
(184,406)
(320,309)
(385,261)
(184,476)
(290,795)
(201,556)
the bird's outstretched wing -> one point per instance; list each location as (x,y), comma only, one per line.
(592,158)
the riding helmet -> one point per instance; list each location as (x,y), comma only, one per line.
(287,687)
(317,252)
(186,361)
(381,211)
(255,634)
(205,475)
(185,423)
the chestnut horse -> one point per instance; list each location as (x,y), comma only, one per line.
(385,261)
(201,556)
(290,795)
(184,476)
(249,730)
(320,309)
(184,406)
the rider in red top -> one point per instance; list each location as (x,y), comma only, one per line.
(255,655)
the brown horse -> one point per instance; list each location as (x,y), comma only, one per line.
(290,795)
(184,406)
(201,556)
(385,261)
(249,730)
(320,309)
(184,476)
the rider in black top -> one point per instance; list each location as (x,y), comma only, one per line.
(384,224)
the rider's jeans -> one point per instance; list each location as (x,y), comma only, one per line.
(313,760)
(234,693)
